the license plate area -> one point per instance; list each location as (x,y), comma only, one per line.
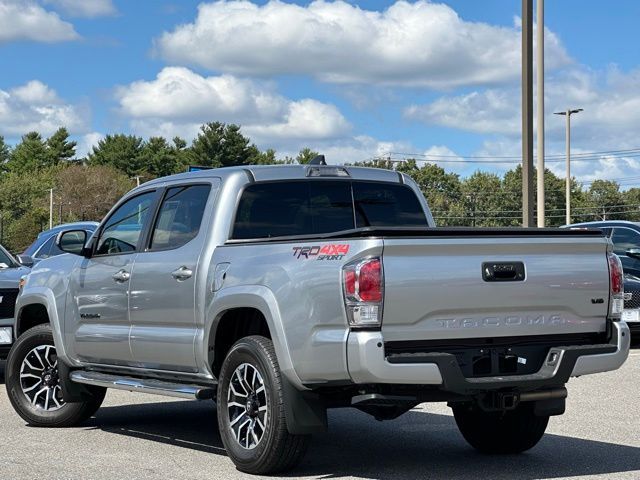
(490,357)
(631,315)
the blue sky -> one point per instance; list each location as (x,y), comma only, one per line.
(355,80)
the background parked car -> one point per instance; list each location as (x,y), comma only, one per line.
(10,273)
(45,245)
(626,244)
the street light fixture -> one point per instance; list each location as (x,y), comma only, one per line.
(568,112)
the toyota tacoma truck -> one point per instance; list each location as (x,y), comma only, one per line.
(282,291)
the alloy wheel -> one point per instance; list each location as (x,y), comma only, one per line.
(39,378)
(247,405)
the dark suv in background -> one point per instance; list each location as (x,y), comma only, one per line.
(626,244)
(11,271)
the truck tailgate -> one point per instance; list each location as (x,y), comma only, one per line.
(434,285)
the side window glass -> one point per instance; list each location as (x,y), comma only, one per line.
(624,239)
(387,205)
(45,250)
(122,230)
(180,216)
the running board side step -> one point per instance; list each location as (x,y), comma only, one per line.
(144,385)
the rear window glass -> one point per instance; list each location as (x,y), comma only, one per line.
(293,208)
(278,209)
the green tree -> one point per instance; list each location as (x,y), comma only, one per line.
(159,159)
(306,155)
(182,152)
(88,192)
(483,201)
(222,145)
(606,200)
(59,148)
(119,151)
(24,206)
(268,157)
(29,155)
(631,199)
(442,190)
(5,153)
(554,195)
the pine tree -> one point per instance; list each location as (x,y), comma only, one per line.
(60,149)
(120,151)
(29,155)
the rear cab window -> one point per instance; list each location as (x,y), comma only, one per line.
(308,207)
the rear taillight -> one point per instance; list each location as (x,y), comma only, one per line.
(616,286)
(363,284)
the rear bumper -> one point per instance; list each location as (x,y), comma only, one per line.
(368,364)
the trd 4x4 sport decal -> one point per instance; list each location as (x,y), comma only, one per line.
(322,252)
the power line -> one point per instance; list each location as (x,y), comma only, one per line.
(488,214)
(560,156)
(433,158)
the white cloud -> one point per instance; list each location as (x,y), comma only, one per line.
(178,101)
(490,111)
(611,104)
(86,142)
(25,20)
(306,120)
(409,44)
(350,149)
(36,107)
(85,8)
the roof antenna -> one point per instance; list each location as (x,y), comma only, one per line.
(318,160)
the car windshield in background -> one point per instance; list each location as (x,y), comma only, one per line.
(5,259)
(278,209)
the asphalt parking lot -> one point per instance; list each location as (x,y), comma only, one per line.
(137,436)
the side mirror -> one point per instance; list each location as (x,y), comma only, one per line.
(25,260)
(72,241)
(633,253)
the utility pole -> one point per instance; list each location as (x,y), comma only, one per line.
(527,113)
(540,109)
(50,208)
(568,114)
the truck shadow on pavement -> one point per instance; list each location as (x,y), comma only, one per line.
(417,445)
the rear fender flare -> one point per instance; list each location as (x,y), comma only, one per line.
(262,299)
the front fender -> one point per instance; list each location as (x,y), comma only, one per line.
(261,298)
(44,296)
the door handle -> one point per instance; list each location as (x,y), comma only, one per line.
(121,276)
(182,273)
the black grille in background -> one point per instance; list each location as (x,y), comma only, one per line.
(8,303)
(634,302)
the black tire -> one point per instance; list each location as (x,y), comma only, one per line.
(277,450)
(67,414)
(513,431)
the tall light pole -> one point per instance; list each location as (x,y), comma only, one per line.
(50,208)
(527,113)
(540,109)
(568,112)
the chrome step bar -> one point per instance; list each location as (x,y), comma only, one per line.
(144,385)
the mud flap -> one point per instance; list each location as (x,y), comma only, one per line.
(72,392)
(544,408)
(305,411)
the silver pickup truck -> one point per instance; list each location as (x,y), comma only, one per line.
(282,291)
